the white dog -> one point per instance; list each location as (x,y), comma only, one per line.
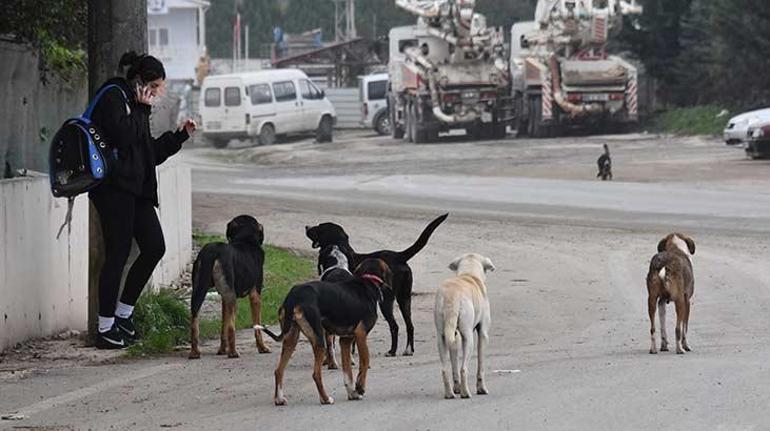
(462,306)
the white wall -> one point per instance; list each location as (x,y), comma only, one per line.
(43,281)
(175,213)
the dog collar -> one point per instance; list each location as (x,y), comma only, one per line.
(372,277)
(327,270)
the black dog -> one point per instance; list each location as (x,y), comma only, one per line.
(319,308)
(605,165)
(327,234)
(235,270)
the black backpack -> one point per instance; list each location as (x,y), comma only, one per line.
(80,158)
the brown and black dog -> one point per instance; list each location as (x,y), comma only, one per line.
(328,234)
(347,309)
(235,270)
(670,278)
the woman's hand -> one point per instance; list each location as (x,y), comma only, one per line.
(145,95)
(189,126)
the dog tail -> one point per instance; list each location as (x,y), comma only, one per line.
(451,321)
(423,239)
(201,279)
(285,323)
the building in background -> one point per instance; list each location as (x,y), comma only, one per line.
(176,32)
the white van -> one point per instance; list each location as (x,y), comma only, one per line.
(261,105)
(374,108)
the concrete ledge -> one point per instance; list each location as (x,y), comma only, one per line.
(175,214)
(43,281)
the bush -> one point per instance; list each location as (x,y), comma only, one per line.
(698,120)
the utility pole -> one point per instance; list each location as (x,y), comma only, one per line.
(114,27)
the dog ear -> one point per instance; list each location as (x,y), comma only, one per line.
(662,245)
(488,265)
(690,244)
(230,230)
(455,264)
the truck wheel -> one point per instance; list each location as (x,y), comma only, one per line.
(396,131)
(220,143)
(419,131)
(535,128)
(267,135)
(382,123)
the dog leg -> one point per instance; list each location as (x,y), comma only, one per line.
(680,307)
(686,324)
(347,368)
(331,359)
(363,356)
(223,330)
(662,318)
(386,306)
(318,355)
(467,342)
(256,318)
(289,344)
(481,386)
(195,353)
(455,361)
(405,305)
(651,305)
(443,354)
(231,352)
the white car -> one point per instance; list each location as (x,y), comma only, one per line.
(374,108)
(736,131)
(261,105)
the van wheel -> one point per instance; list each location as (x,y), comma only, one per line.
(382,123)
(325,130)
(220,143)
(267,135)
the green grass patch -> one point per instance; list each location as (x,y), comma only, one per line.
(698,120)
(164,319)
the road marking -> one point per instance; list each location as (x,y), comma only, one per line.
(68,397)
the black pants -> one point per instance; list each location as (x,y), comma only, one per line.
(125,217)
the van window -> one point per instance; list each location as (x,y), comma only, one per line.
(377,89)
(232,96)
(213,97)
(308,90)
(284,91)
(406,43)
(260,93)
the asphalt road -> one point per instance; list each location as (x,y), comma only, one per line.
(569,335)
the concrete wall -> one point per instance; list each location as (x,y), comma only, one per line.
(31,112)
(43,281)
(175,213)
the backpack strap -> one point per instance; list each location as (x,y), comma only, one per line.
(68,217)
(90,110)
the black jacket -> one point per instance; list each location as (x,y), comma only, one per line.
(126,127)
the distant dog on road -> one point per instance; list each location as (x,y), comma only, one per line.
(235,270)
(605,165)
(670,278)
(327,234)
(346,308)
(462,308)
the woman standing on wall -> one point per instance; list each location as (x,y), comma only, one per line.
(126,201)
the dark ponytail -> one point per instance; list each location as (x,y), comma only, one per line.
(146,67)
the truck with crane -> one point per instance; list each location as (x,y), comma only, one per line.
(448,71)
(561,73)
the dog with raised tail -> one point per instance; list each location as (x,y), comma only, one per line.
(462,308)
(670,278)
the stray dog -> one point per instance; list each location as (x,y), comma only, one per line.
(235,270)
(326,234)
(605,165)
(333,267)
(347,309)
(670,278)
(462,307)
